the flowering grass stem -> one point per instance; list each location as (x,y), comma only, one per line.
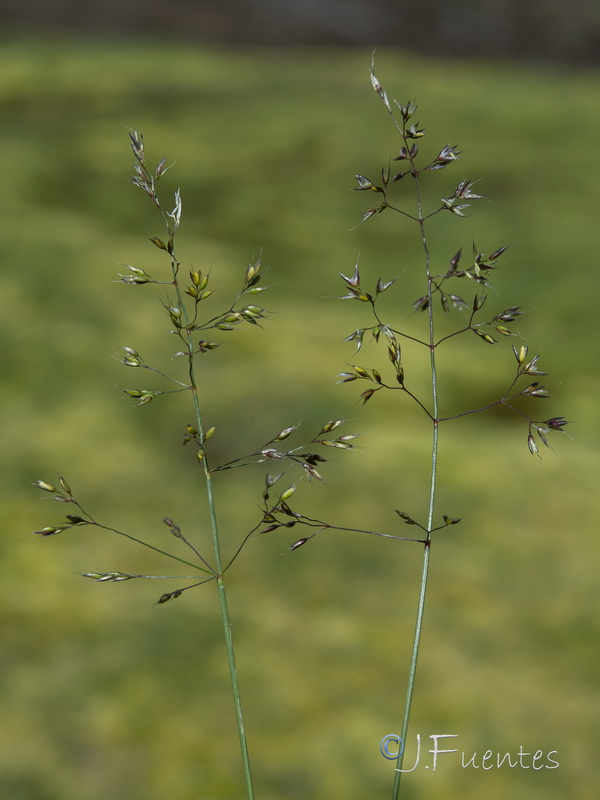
(476,273)
(432,484)
(212,512)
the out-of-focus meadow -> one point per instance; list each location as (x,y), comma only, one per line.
(105,694)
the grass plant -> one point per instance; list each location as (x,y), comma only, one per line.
(440,297)
(185,307)
(381,244)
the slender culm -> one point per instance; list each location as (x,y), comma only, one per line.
(439,296)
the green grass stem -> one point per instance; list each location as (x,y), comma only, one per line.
(432,486)
(221,591)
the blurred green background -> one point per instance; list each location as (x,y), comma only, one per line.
(105,694)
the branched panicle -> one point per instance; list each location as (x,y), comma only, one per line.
(201,322)
(199,326)
(447,290)
(440,285)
